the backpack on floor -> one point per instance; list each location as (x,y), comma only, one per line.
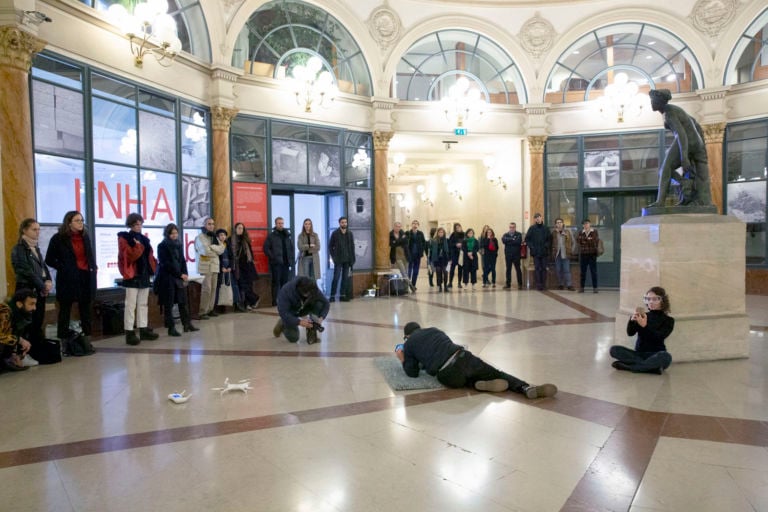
(75,345)
(46,351)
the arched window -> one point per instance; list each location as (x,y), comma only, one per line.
(649,56)
(749,59)
(286,33)
(436,62)
(190,23)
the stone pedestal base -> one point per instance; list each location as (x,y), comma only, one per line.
(700,260)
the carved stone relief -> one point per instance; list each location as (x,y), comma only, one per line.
(537,35)
(385,26)
(711,16)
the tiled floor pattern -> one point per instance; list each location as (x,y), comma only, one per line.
(322,431)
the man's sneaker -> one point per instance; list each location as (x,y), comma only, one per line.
(494,386)
(312,336)
(13,364)
(29,361)
(541,391)
(277,330)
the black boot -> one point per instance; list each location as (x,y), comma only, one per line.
(190,328)
(131,338)
(145,333)
(173,332)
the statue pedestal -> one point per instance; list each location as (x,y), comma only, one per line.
(700,260)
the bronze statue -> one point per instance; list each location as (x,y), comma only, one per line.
(688,152)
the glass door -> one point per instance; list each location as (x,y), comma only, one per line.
(607,213)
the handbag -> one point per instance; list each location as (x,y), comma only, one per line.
(600,248)
(523,250)
(225,293)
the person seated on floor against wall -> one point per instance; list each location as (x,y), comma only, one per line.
(13,350)
(23,305)
(455,367)
(300,303)
(652,328)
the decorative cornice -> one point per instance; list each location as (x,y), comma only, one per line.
(714,133)
(381,140)
(536,109)
(383,103)
(226,74)
(17,48)
(221,117)
(716,93)
(536,143)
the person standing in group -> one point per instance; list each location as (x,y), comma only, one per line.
(70,253)
(417,247)
(454,245)
(652,328)
(226,272)
(171,280)
(137,264)
(490,248)
(308,243)
(439,255)
(562,246)
(470,247)
(342,250)
(481,260)
(32,273)
(398,250)
(513,241)
(430,268)
(278,247)
(588,241)
(244,267)
(208,250)
(539,243)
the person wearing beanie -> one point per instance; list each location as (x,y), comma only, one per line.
(455,367)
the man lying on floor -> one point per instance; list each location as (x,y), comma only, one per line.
(456,367)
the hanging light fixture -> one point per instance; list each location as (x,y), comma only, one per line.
(463,102)
(361,160)
(313,85)
(621,98)
(150,29)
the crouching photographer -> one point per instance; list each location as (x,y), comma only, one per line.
(301,304)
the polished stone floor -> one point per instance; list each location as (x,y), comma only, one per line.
(322,431)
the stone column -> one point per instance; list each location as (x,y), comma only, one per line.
(713,138)
(17,48)
(536,152)
(381,198)
(221,118)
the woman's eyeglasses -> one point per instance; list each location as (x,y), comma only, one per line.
(652,299)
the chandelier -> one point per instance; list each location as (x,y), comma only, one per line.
(150,29)
(462,102)
(361,160)
(621,98)
(313,85)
